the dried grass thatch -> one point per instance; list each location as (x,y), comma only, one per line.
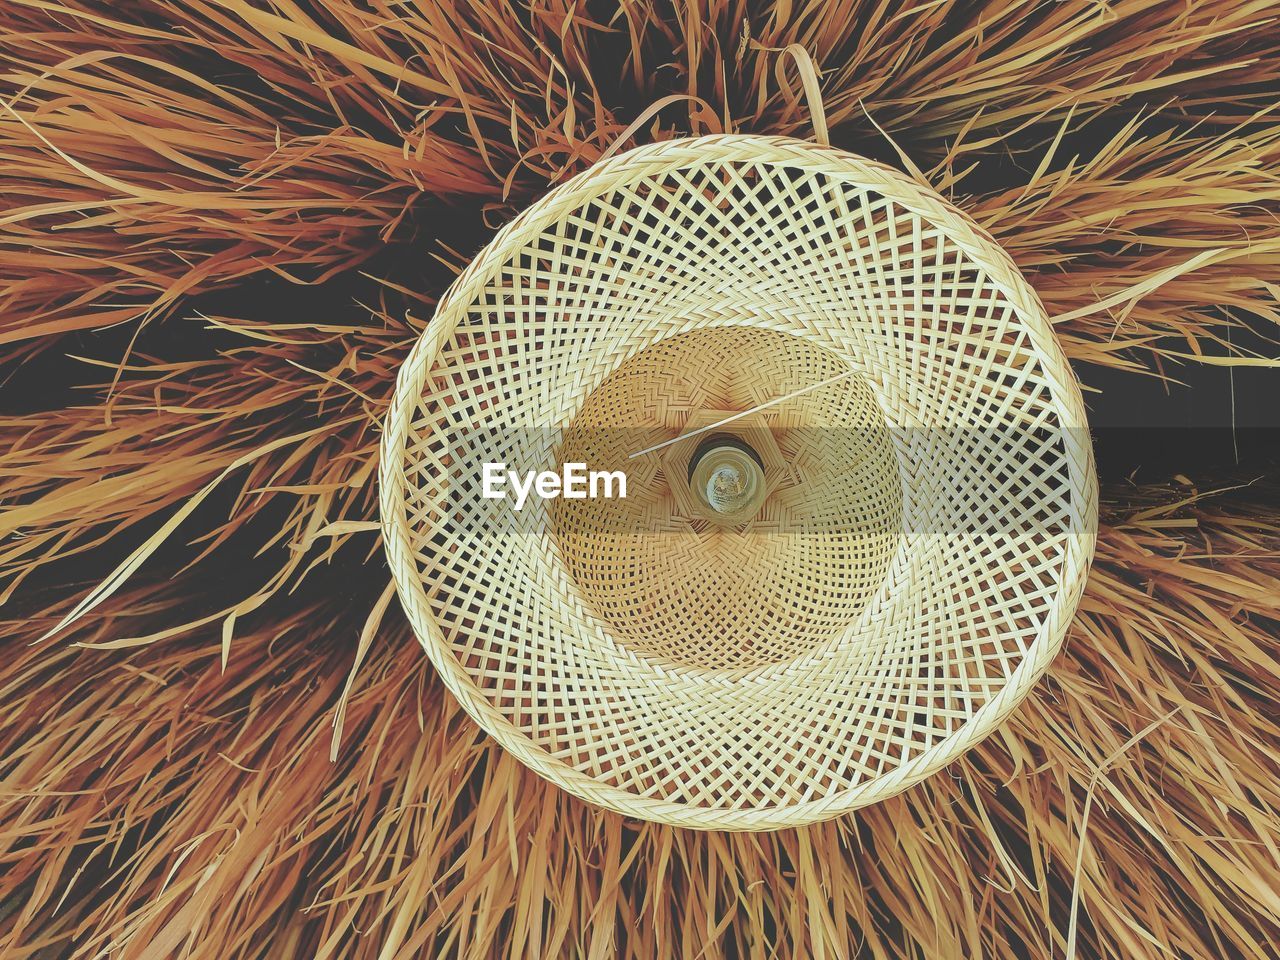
(224,223)
(157,801)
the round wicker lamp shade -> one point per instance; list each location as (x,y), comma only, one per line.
(882,389)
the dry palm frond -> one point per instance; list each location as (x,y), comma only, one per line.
(153,154)
(1141,780)
(267,197)
(1154,234)
(146,165)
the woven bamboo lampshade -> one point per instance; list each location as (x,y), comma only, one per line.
(860,496)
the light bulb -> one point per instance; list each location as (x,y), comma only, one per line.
(727,478)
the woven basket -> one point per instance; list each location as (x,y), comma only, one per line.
(929,495)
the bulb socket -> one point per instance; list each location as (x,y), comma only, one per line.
(726,478)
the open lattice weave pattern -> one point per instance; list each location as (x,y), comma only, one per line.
(929,521)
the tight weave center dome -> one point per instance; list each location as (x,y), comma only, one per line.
(690,592)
